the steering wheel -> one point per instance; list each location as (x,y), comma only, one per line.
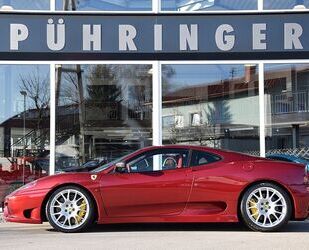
(167,163)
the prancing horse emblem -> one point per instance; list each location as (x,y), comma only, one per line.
(93,177)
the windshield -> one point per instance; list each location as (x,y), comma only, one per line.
(109,164)
(90,164)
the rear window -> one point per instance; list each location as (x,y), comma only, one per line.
(199,158)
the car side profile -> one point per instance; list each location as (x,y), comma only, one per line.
(168,184)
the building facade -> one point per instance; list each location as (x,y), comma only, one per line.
(65,112)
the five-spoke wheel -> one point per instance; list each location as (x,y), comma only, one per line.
(265,207)
(70,209)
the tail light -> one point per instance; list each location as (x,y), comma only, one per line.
(306,177)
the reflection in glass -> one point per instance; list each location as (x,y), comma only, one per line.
(208,5)
(27,4)
(287,108)
(24,125)
(108,5)
(286,4)
(103,112)
(211,105)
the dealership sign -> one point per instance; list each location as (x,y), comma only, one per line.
(59,36)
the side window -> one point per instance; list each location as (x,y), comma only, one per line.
(159,160)
(201,158)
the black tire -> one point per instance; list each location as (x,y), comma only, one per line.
(88,220)
(248,221)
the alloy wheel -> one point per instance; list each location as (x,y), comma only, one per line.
(69,209)
(266,207)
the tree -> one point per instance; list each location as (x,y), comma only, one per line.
(167,74)
(103,84)
(36,86)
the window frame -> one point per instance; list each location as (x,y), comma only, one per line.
(178,125)
(192,114)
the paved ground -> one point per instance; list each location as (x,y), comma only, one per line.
(154,236)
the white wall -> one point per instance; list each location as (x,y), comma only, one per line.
(239,111)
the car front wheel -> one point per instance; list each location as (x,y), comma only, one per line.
(265,207)
(70,209)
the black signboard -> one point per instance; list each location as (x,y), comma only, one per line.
(61,36)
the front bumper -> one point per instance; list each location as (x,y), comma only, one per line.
(24,207)
(301,201)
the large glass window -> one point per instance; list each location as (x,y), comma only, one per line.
(108,5)
(287,107)
(286,4)
(208,5)
(24,125)
(211,105)
(103,112)
(26,4)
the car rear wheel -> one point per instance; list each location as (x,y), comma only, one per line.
(265,207)
(70,209)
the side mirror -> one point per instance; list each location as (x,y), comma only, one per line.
(120,167)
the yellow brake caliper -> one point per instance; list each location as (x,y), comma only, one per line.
(82,211)
(254,210)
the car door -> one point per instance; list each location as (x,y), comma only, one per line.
(158,184)
(210,189)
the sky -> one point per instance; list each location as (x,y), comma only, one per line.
(203,74)
(11,101)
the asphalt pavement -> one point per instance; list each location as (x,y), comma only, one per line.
(154,236)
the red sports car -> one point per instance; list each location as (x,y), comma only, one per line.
(168,184)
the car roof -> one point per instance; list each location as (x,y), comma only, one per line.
(223,153)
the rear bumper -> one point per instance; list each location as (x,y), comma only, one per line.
(301,201)
(25,207)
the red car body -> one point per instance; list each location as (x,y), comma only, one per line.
(206,193)
(18,175)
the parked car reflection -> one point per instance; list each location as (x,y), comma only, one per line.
(290,158)
(87,166)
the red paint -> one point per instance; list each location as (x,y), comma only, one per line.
(207,193)
(19,173)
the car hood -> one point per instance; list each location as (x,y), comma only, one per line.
(50,182)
